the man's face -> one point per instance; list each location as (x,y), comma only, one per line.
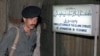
(30,22)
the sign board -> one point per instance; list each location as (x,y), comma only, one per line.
(76,19)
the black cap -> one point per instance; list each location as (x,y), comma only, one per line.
(31,11)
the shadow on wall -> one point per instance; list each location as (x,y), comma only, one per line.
(14,20)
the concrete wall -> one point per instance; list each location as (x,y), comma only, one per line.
(16,6)
(3,17)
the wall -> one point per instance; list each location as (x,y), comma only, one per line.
(3,18)
(16,6)
(46,33)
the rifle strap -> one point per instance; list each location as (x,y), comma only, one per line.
(13,48)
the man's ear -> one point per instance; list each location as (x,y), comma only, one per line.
(24,19)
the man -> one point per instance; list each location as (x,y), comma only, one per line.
(27,34)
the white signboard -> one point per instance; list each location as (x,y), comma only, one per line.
(77,19)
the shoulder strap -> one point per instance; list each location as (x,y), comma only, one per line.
(13,48)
